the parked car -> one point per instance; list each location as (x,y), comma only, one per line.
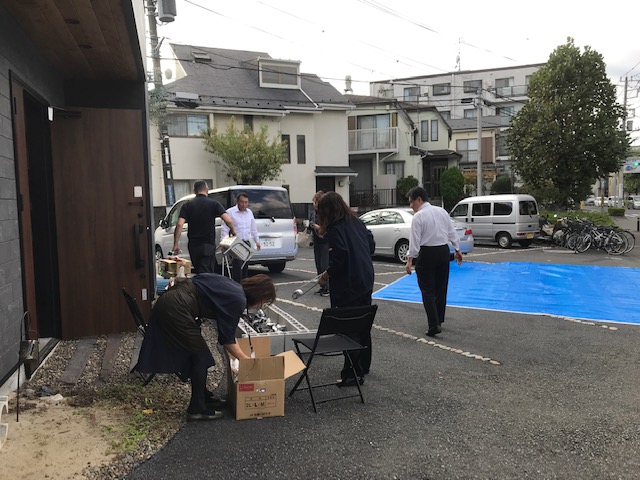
(391,228)
(590,201)
(274,218)
(633,202)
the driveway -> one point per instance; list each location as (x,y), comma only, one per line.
(496,395)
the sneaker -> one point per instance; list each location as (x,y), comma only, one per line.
(204,416)
(324,293)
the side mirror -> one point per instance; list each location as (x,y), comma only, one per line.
(163,223)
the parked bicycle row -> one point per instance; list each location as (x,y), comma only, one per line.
(581,235)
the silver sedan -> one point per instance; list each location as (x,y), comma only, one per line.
(391,228)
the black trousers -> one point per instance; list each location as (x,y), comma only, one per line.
(432,270)
(238,271)
(321,257)
(203,258)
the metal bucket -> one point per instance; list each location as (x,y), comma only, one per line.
(29,350)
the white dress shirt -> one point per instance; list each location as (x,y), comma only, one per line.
(244,223)
(431,227)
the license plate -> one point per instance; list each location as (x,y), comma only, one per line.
(529,235)
(268,243)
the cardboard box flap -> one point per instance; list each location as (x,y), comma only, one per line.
(261,346)
(256,369)
(292,363)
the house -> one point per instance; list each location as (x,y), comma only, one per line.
(391,139)
(74,201)
(213,85)
(495,94)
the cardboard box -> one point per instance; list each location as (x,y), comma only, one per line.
(170,267)
(259,391)
(281,340)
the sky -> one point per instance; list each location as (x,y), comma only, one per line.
(383,39)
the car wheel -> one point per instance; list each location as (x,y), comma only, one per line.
(159,253)
(504,240)
(276,267)
(402,250)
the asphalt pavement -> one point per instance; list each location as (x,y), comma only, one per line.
(495,396)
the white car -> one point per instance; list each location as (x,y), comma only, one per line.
(391,228)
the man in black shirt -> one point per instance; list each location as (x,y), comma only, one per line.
(200,213)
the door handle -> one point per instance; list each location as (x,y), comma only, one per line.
(138,230)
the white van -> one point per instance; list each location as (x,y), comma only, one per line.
(501,218)
(272,210)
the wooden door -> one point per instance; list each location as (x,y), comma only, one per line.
(102,218)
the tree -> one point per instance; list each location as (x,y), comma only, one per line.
(632,183)
(451,186)
(404,184)
(246,156)
(569,133)
(502,184)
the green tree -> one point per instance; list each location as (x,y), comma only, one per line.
(451,186)
(569,133)
(404,184)
(632,183)
(158,99)
(502,184)
(246,156)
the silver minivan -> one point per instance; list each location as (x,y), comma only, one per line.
(272,210)
(500,218)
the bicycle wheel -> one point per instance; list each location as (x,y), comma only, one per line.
(630,238)
(570,241)
(615,244)
(583,243)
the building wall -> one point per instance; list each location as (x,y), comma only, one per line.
(20,58)
(325,144)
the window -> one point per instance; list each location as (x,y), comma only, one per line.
(411,94)
(471,86)
(461,210)
(470,113)
(503,86)
(394,168)
(502,208)
(446,114)
(505,111)
(302,154)
(187,125)
(182,188)
(248,121)
(284,75)
(481,209)
(527,207)
(287,142)
(468,149)
(370,218)
(434,130)
(389,218)
(441,89)
(501,145)
(424,131)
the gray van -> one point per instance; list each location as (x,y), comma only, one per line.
(500,218)
(272,210)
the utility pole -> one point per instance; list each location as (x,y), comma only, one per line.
(167,166)
(624,126)
(479,118)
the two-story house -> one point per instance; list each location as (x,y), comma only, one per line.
(391,139)
(213,85)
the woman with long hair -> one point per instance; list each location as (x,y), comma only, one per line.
(350,269)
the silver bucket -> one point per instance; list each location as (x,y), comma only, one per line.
(29,350)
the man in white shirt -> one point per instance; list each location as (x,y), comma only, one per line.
(431,233)
(246,229)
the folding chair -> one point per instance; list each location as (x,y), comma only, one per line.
(141,325)
(336,324)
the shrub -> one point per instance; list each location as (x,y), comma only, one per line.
(616,211)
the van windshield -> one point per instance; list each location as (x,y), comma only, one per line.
(269,203)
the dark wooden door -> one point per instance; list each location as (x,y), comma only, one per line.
(102,218)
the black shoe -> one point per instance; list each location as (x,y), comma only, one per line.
(432,332)
(216,403)
(204,416)
(349,382)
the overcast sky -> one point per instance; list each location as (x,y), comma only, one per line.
(382,39)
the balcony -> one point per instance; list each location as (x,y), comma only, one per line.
(515,91)
(373,140)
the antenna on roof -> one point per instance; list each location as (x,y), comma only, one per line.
(347,84)
(458,56)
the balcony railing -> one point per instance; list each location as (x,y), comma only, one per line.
(515,91)
(373,140)
(365,200)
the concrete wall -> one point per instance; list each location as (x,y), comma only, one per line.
(20,58)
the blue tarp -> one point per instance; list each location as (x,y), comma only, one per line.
(589,293)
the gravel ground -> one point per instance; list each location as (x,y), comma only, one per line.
(166,395)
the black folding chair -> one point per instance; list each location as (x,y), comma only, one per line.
(337,325)
(141,325)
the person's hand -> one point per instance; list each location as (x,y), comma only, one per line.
(257,245)
(323,279)
(176,250)
(458,257)
(408,265)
